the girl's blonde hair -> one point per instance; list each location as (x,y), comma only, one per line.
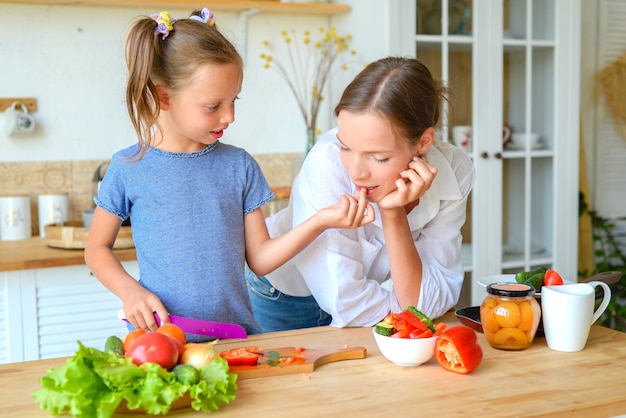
(170,61)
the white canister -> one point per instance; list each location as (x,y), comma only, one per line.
(14,218)
(53,208)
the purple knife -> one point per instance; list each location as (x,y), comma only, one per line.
(200,327)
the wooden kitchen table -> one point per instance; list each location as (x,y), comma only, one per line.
(533,382)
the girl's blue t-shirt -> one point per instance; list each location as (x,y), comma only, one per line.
(186,212)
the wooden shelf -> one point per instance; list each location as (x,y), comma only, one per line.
(267,6)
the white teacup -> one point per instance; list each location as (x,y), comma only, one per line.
(462,137)
(568,312)
(18,121)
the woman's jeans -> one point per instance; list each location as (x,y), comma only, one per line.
(276,311)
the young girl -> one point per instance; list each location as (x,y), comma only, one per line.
(411,255)
(194,202)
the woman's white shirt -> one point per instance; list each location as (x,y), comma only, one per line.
(347,271)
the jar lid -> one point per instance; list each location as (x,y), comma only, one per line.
(514,290)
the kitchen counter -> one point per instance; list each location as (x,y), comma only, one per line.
(530,383)
(33,253)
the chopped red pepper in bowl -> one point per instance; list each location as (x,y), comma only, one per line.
(407,338)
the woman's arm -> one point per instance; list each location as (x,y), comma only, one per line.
(404,260)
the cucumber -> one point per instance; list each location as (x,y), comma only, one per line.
(535,281)
(524,276)
(186,374)
(384,328)
(422,317)
(115,345)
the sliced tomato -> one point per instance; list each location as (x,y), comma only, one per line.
(552,278)
(240,357)
(297,359)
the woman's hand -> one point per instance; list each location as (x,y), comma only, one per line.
(412,184)
(352,212)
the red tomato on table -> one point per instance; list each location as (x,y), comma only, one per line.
(552,278)
(154,347)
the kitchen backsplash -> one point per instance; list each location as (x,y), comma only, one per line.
(76,178)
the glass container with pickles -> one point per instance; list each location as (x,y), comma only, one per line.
(510,315)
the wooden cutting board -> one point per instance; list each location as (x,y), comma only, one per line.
(268,365)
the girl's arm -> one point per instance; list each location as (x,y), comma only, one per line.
(139,304)
(264,254)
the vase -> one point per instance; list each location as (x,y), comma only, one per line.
(311,137)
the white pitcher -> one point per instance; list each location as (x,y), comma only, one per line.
(568,313)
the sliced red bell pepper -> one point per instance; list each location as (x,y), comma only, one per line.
(421,334)
(457,350)
(409,318)
(402,333)
(240,357)
(439,328)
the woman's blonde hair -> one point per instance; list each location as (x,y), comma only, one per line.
(168,60)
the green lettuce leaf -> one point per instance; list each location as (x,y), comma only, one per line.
(217,386)
(93,383)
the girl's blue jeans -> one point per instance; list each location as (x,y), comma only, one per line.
(276,311)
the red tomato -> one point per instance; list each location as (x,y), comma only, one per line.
(240,357)
(154,347)
(457,350)
(552,278)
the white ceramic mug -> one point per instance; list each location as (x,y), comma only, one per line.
(462,137)
(53,208)
(18,121)
(14,218)
(568,313)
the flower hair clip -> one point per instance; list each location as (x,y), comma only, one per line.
(165,23)
(206,16)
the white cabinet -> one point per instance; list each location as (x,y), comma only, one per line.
(45,311)
(512,62)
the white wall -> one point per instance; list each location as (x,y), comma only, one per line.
(71,60)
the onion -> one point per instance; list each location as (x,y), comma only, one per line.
(198,355)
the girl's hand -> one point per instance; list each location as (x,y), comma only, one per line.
(352,212)
(139,307)
(411,185)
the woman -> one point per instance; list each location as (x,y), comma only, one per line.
(385,144)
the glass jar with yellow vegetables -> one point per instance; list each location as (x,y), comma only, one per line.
(510,315)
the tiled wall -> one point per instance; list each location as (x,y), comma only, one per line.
(77,179)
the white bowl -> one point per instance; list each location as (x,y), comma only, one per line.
(518,141)
(406,352)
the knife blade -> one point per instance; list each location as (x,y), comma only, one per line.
(201,327)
